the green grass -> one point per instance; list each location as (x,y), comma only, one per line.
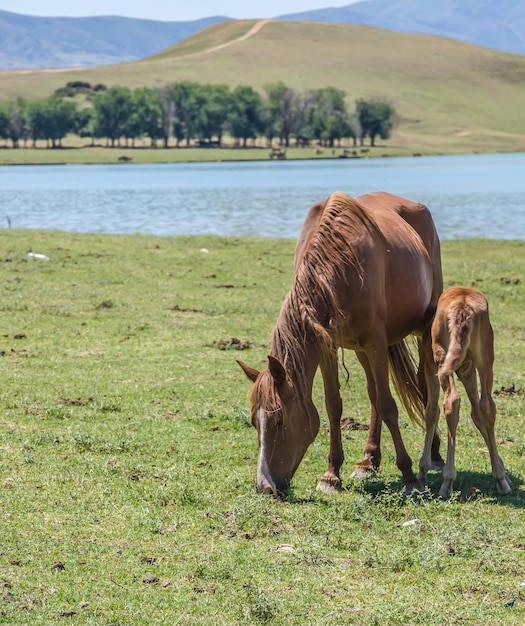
(451,96)
(127,460)
(74,153)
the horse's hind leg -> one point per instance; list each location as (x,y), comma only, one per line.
(484,416)
(387,410)
(330,480)
(372,453)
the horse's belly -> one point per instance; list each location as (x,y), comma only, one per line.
(408,302)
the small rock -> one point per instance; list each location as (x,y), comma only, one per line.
(150,579)
(58,566)
(411,522)
(148,559)
(285,547)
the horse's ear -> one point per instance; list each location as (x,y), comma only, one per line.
(277,370)
(250,372)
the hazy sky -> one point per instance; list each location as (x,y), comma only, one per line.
(178,10)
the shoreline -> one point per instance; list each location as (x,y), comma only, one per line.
(101,155)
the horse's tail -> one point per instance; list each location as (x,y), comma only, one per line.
(460,324)
(403,373)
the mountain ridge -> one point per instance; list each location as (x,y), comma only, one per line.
(495,24)
(45,42)
(30,42)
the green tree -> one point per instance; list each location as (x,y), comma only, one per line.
(4,122)
(329,118)
(210,107)
(37,114)
(113,109)
(86,123)
(376,118)
(148,113)
(63,119)
(304,118)
(177,110)
(281,108)
(51,119)
(167,113)
(18,128)
(245,115)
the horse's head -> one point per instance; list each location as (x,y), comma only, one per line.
(286,425)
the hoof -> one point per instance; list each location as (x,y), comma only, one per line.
(362,471)
(504,486)
(445,493)
(437,465)
(329,484)
(415,489)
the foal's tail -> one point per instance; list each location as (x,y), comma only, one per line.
(404,376)
(460,325)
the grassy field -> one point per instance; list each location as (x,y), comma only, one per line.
(74,153)
(450,96)
(127,460)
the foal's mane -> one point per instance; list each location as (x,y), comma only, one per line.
(311,311)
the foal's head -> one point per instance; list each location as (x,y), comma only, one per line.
(286,421)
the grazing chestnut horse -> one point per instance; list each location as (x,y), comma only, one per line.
(463,343)
(367,274)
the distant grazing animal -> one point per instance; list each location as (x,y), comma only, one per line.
(463,343)
(367,274)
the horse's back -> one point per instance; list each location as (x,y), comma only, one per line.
(413,213)
(418,216)
(370,249)
(462,321)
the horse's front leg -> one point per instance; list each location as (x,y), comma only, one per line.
(372,454)
(331,480)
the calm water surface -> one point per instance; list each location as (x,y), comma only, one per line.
(469,196)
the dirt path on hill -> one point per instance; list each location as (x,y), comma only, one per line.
(253,30)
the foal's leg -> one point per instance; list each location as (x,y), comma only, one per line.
(372,454)
(484,417)
(330,480)
(451,405)
(429,386)
(430,457)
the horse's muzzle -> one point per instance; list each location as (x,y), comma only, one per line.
(272,488)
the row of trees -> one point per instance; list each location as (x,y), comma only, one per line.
(193,113)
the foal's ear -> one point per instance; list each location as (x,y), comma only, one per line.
(277,370)
(250,372)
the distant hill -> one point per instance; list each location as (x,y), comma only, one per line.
(57,42)
(497,24)
(44,42)
(449,95)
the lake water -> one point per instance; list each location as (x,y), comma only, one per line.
(469,196)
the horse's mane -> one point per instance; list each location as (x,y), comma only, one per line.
(311,310)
